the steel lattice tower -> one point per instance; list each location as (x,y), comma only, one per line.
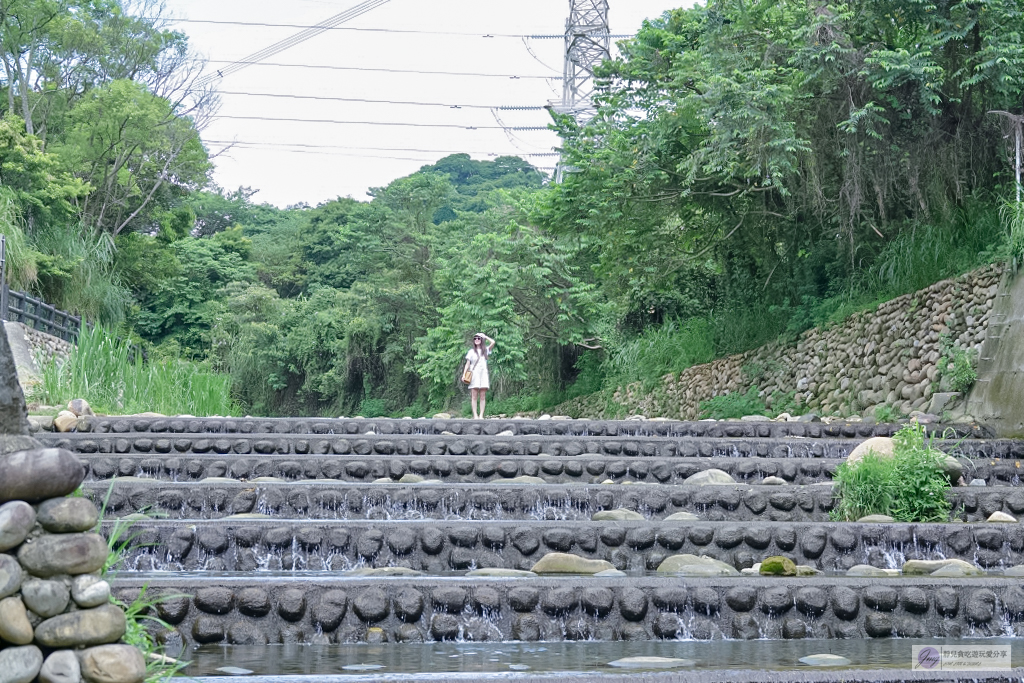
(587,44)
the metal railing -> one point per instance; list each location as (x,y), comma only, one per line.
(35,313)
(24,308)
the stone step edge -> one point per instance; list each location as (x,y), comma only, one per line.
(296,609)
(352,427)
(238,497)
(435,546)
(702,675)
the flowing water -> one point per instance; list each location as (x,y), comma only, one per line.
(493,659)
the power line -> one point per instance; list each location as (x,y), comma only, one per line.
(357,156)
(357,99)
(396,71)
(378,123)
(292,41)
(375,149)
(267,24)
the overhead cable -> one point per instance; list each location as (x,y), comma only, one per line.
(300,37)
(513,77)
(377,123)
(376,149)
(322,27)
(357,99)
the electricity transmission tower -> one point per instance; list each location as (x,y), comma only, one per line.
(587,44)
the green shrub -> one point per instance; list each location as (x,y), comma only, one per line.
(734,405)
(668,348)
(956,366)
(111,374)
(910,486)
(887,413)
(373,407)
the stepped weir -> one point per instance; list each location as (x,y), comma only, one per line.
(318,549)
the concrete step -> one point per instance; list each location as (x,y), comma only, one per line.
(234,445)
(251,609)
(586,468)
(436,547)
(219,498)
(517,427)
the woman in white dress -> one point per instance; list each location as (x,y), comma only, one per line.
(476,361)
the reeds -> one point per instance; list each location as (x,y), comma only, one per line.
(111,374)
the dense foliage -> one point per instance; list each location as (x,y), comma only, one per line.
(754,168)
(909,486)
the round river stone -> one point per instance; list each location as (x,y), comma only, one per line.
(45,598)
(68,515)
(61,667)
(10,576)
(39,474)
(20,664)
(15,627)
(63,554)
(113,664)
(97,626)
(16,521)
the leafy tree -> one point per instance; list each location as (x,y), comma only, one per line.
(134,150)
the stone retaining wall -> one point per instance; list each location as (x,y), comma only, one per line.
(47,347)
(888,356)
(559,609)
(437,546)
(53,599)
(219,499)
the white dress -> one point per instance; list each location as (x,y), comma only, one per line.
(481,380)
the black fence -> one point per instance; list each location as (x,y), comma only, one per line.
(37,314)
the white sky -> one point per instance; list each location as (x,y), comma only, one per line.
(291,162)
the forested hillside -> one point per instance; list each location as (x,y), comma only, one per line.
(755,168)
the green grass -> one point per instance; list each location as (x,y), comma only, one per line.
(658,351)
(114,379)
(733,405)
(910,486)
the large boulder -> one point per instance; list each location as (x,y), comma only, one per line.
(879,445)
(883,446)
(617,515)
(778,565)
(709,477)
(691,565)
(36,475)
(565,563)
(925,567)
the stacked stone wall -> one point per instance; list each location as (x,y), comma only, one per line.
(46,347)
(885,356)
(57,622)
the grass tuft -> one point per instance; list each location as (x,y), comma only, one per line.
(910,486)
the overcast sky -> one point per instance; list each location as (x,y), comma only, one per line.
(294,161)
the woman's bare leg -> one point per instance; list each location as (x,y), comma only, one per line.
(483,401)
(473,394)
